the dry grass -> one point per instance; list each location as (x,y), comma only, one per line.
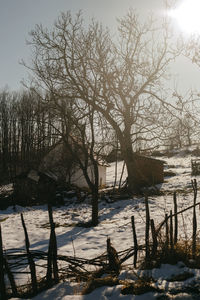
(182,251)
(94,283)
(138,287)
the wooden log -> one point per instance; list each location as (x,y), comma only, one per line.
(135,241)
(29,256)
(171,232)
(147,228)
(154,238)
(2,271)
(175,219)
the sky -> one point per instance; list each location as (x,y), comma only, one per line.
(19,17)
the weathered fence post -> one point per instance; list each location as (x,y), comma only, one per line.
(2,281)
(171,232)
(167,233)
(135,241)
(55,264)
(154,238)
(52,251)
(29,256)
(113,260)
(49,261)
(147,227)
(175,219)
(194,231)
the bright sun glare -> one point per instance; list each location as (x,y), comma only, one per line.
(188,16)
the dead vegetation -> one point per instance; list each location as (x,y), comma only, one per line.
(140,286)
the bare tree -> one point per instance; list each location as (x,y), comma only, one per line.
(78,126)
(122,77)
(82,147)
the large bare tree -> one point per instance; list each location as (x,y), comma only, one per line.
(121,77)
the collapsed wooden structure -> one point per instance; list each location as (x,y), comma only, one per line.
(150,171)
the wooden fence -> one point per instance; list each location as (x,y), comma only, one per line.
(13,261)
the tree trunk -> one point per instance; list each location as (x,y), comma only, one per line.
(133,180)
(131,165)
(95,196)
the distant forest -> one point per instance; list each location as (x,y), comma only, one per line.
(25,133)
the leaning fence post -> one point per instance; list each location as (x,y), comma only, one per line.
(135,241)
(194,186)
(52,252)
(167,233)
(49,261)
(2,281)
(54,256)
(175,219)
(154,238)
(30,259)
(147,227)
(171,231)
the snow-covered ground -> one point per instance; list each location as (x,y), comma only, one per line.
(115,222)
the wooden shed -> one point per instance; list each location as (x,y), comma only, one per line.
(34,187)
(150,171)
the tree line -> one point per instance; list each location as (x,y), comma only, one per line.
(25,133)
